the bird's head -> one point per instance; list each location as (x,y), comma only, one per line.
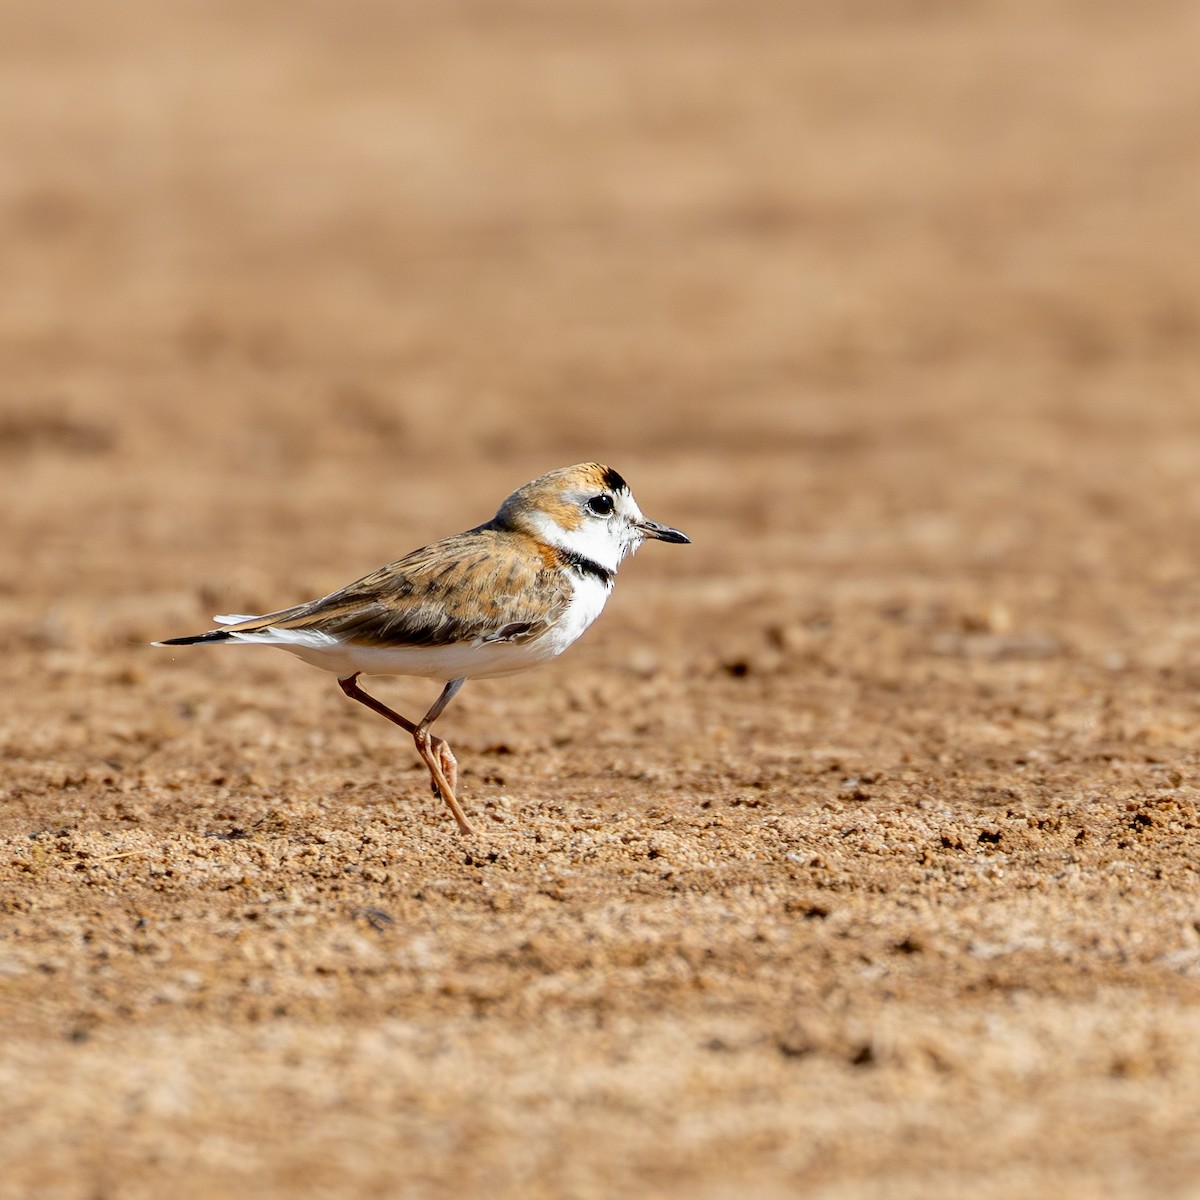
(586,510)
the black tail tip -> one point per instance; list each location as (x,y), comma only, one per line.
(217,635)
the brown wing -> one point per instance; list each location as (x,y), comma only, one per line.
(484,585)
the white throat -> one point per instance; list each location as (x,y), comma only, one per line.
(593,540)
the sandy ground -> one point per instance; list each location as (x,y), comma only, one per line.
(853,853)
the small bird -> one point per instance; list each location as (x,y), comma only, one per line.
(498,599)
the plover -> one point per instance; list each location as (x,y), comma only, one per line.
(498,599)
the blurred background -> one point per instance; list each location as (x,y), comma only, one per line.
(869,286)
(893,306)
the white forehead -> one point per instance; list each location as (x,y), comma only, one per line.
(626,505)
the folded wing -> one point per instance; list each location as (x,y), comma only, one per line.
(468,589)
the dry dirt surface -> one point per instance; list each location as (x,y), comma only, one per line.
(853,853)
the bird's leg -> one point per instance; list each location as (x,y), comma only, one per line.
(446,761)
(349,685)
(443,769)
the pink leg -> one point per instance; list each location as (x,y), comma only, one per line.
(446,761)
(434,752)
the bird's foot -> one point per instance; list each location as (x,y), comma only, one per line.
(447,761)
(443,776)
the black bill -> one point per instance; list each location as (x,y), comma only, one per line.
(664,533)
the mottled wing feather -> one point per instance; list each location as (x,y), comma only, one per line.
(486,585)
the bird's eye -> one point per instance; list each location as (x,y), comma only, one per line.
(601,506)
